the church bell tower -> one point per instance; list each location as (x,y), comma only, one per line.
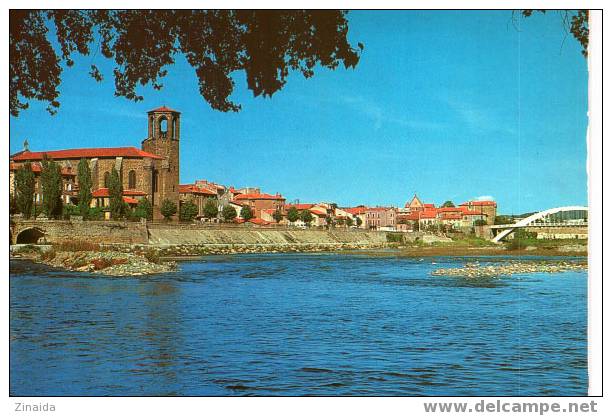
(163,140)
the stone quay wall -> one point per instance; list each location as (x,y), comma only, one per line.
(241,238)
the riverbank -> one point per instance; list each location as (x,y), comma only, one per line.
(108,263)
(145,259)
(478,270)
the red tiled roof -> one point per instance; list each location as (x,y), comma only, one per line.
(129,152)
(130,200)
(321,212)
(452,217)
(355,210)
(162,108)
(412,216)
(427,214)
(378,209)
(299,207)
(449,209)
(193,189)
(36,167)
(429,206)
(259,221)
(259,196)
(480,203)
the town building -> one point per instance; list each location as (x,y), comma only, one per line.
(259,201)
(377,218)
(151,172)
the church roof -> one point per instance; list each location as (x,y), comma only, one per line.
(130,152)
(161,109)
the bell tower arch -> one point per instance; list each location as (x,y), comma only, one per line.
(164,126)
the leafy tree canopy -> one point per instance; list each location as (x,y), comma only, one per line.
(293,214)
(306,216)
(265,44)
(448,204)
(167,209)
(144,209)
(278,216)
(575,22)
(85,185)
(246,213)
(51,181)
(188,211)
(24,189)
(210,208)
(115,193)
(228,213)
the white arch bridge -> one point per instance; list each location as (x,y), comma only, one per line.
(572,216)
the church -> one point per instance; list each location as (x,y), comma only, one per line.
(149,172)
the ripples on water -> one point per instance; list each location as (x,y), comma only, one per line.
(297,325)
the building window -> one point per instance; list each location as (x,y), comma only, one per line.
(163,125)
(155,178)
(132,180)
(106,179)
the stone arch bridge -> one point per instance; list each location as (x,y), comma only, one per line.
(52,231)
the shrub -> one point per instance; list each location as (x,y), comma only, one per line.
(395,238)
(229,213)
(152,256)
(95,213)
(168,209)
(189,210)
(144,209)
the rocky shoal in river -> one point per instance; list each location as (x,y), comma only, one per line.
(476,270)
(109,263)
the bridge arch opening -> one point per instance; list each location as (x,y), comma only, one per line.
(29,236)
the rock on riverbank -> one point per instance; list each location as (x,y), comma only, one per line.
(110,263)
(476,270)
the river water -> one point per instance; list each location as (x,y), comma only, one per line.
(297,324)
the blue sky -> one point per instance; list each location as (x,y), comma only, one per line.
(448,104)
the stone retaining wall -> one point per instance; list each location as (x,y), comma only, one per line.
(134,233)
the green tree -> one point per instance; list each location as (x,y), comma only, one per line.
(575,22)
(13,209)
(448,204)
(348,221)
(306,216)
(293,214)
(246,213)
(358,221)
(167,209)
(278,215)
(85,185)
(266,44)
(188,211)
(211,210)
(228,213)
(51,181)
(479,223)
(95,213)
(144,209)
(24,189)
(115,193)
